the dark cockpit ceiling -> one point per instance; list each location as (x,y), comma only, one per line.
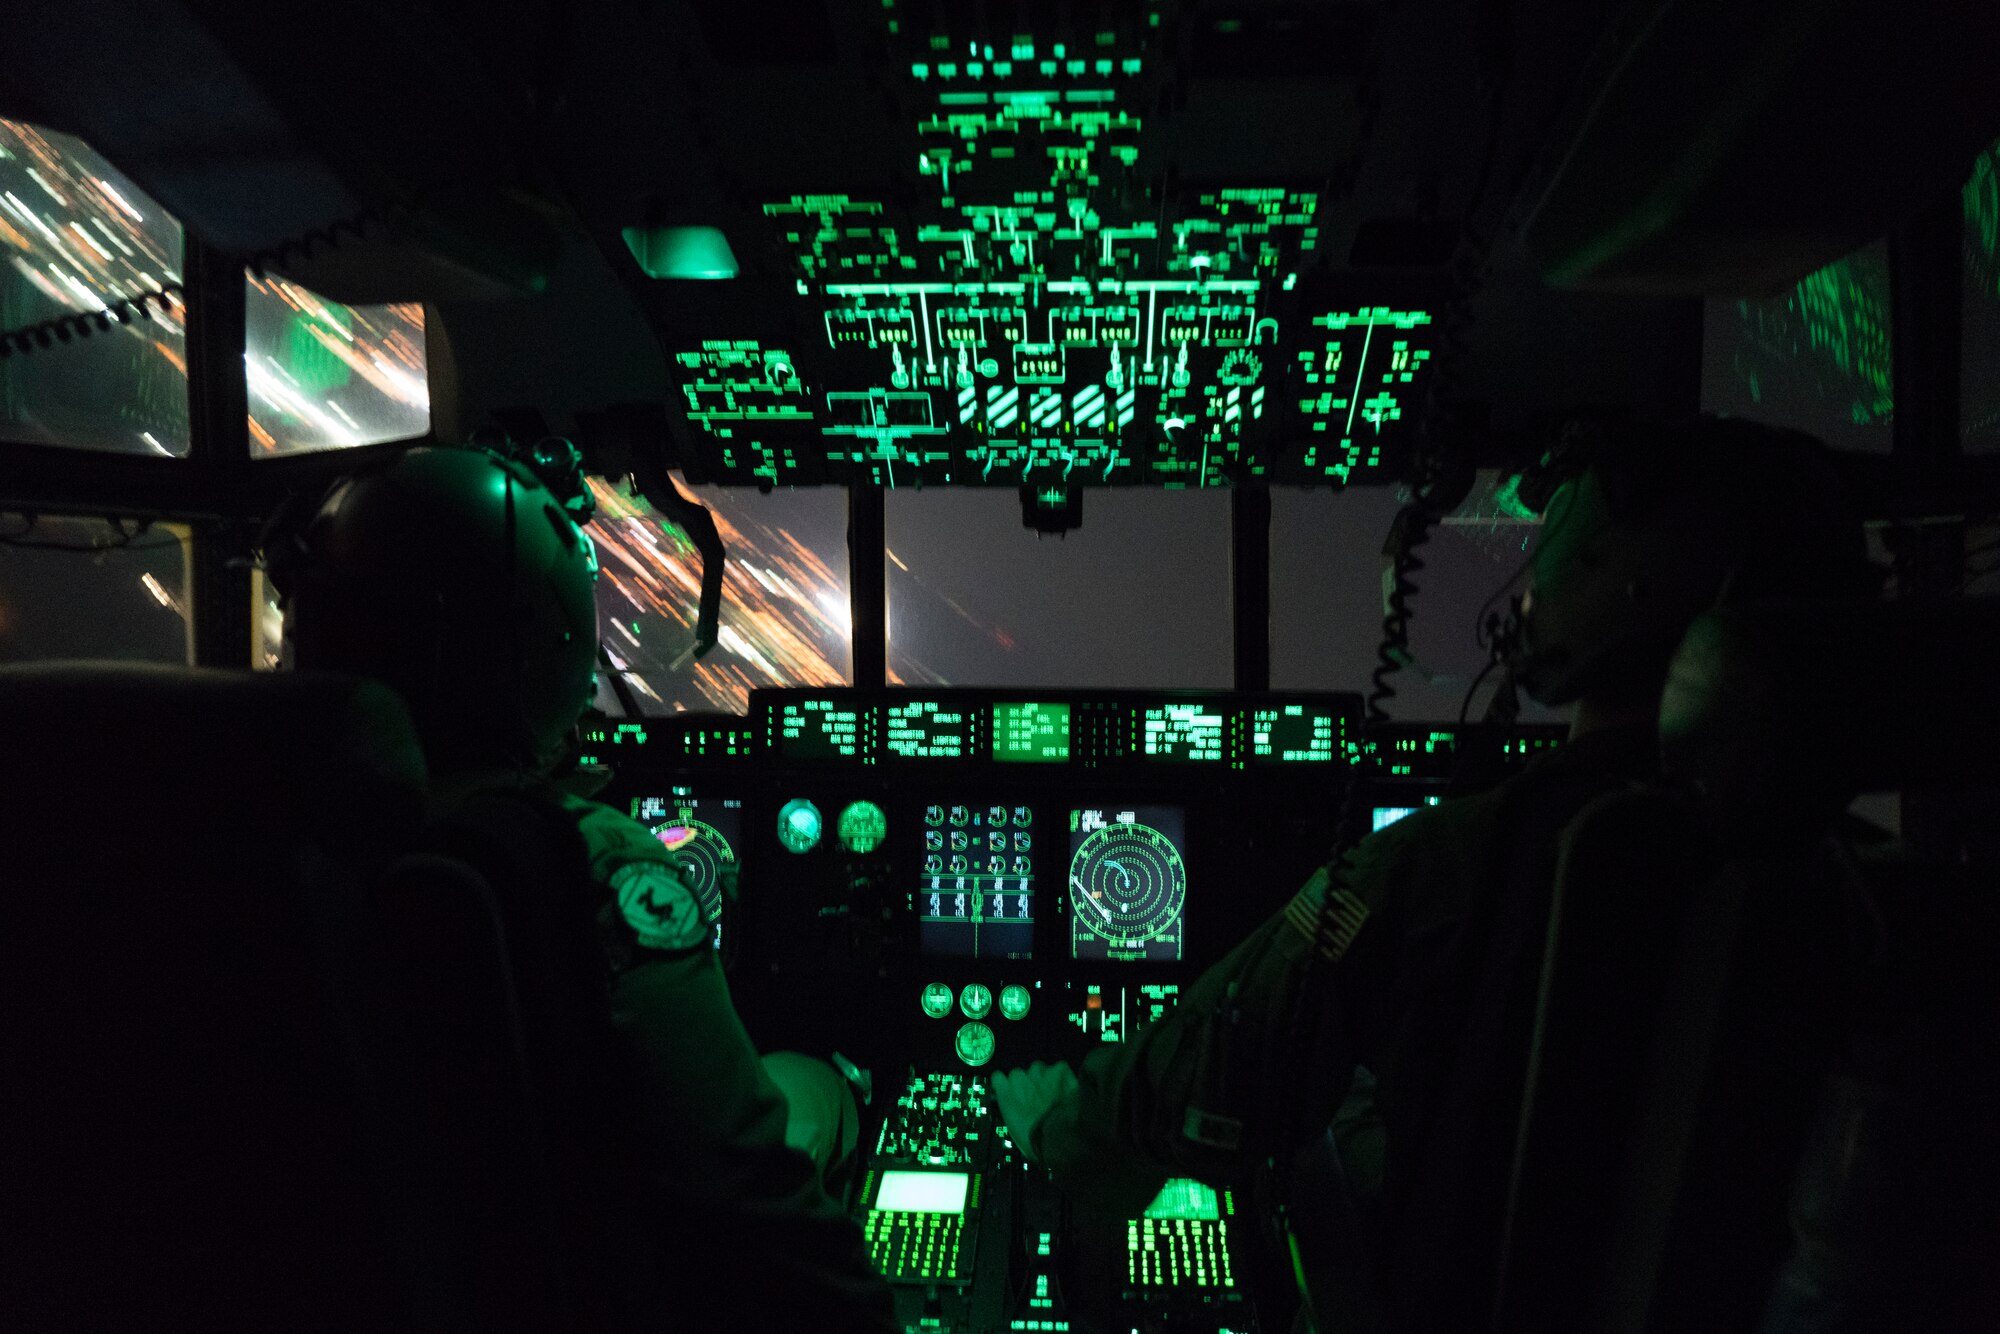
(1548,185)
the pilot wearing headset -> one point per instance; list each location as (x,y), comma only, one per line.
(1643,530)
(694,1171)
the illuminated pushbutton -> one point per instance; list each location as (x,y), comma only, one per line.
(937,1000)
(1014,1002)
(975,1000)
(862,827)
(799,825)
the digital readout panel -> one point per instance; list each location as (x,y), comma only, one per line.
(1031,733)
(923,1192)
(822,729)
(1294,734)
(929,730)
(702,835)
(1191,732)
(976,896)
(1127,883)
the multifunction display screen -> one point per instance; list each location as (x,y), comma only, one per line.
(929,730)
(976,896)
(1127,883)
(1031,733)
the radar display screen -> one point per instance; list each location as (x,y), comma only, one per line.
(1294,734)
(820,729)
(976,897)
(702,836)
(1127,883)
(1182,732)
(1031,733)
(928,730)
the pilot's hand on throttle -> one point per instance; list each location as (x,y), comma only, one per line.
(1025,1097)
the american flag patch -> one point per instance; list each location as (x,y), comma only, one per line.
(1344,919)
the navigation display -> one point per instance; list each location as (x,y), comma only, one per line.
(929,730)
(976,897)
(1182,732)
(820,729)
(1031,733)
(1294,734)
(702,835)
(1127,883)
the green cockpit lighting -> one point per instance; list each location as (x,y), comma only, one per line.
(799,825)
(1014,1001)
(699,253)
(937,999)
(975,1000)
(862,827)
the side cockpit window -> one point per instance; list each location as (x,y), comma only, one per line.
(91,287)
(78,239)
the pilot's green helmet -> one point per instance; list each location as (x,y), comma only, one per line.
(456,577)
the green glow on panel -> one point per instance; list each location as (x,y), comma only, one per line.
(1184,1198)
(700,253)
(1031,733)
(937,1000)
(862,827)
(974,1044)
(799,825)
(976,1001)
(1014,1001)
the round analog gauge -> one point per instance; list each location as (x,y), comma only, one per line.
(975,1000)
(937,1000)
(705,858)
(1014,1002)
(799,825)
(975,1043)
(1127,885)
(862,827)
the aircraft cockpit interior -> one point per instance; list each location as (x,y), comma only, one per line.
(676,665)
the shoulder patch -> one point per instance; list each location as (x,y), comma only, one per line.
(662,912)
(1344,919)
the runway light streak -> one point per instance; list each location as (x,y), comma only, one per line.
(778,626)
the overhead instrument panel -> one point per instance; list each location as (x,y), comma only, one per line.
(1052,288)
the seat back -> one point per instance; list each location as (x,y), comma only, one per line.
(1729,1034)
(257,1065)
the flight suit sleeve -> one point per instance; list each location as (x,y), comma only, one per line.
(760,1230)
(1229,1076)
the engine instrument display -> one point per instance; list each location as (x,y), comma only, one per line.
(976,896)
(1127,883)
(702,836)
(1031,733)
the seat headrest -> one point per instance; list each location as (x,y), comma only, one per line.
(1780,705)
(286,745)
